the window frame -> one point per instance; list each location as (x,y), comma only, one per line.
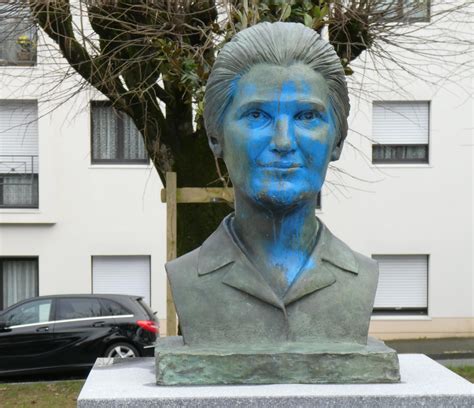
(29,160)
(425,162)
(406,311)
(120,138)
(34,195)
(402,17)
(150,271)
(18,17)
(17,258)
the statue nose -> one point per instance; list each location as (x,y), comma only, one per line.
(283,138)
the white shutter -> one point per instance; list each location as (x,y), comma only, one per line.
(123,275)
(18,136)
(403,281)
(401,123)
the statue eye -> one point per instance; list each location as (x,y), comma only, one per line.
(308,115)
(255,114)
(256,117)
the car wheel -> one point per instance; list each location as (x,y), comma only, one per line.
(121,350)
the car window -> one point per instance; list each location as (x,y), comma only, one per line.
(32,312)
(147,310)
(77,308)
(112,308)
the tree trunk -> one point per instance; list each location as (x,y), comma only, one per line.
(197,221)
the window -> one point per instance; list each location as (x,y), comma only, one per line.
(18,154)
(403,284)
(115,138)
(123,275)
(18,34)
(400,131)
(77,308)
(111,308)
(37,311)
(18,280)
(403,10)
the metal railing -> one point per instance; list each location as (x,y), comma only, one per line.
(18,181)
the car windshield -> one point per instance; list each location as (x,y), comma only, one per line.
(37,311)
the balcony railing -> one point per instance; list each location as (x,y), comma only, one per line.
(18,181)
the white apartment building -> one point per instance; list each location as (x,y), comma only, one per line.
(80,208)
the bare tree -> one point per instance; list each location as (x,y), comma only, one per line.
(152,58)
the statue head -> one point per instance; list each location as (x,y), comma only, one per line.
(276,108)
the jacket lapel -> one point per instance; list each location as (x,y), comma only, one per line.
(217,251)
(246,278)
(317,273)
(310,281)
(220,250)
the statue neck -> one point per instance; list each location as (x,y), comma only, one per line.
(278,243)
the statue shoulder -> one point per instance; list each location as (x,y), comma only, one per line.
(366,263)
(184,266)
(368,267)
(211,255)
(362,282)
(341,255)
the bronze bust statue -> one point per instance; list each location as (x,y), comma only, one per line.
(272,278)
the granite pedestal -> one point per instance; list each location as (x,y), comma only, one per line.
(131,383)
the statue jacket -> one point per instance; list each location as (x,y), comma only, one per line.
(221,298)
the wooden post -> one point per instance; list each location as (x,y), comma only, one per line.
(171,250)
(172,196)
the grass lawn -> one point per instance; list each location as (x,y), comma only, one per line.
(464,371)
(61,394)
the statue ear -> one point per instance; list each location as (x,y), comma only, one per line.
(215,146)
(336,151)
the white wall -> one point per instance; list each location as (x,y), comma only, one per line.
(84,209)
(413,208)
(90,210)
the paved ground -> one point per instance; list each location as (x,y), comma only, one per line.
(460,362)
(437,349)
(452,352)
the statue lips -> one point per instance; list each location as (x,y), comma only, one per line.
(281,165)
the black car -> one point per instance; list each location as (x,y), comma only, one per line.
(63,332)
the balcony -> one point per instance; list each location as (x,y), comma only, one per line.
(18,181)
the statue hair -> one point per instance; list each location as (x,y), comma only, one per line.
(281,44)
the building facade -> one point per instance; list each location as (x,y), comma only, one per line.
(80,208)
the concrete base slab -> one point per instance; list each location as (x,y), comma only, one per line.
(131,383)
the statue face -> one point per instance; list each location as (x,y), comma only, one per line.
(278,135)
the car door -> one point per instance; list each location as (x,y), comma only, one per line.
(80,330)
(26,336)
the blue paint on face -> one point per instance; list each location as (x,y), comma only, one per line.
(277,144)
(278,135)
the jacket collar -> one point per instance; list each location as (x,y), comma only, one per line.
(220,250)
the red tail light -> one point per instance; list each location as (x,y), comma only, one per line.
(149,325)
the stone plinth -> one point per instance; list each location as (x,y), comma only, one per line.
(295,363)
(131,383)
